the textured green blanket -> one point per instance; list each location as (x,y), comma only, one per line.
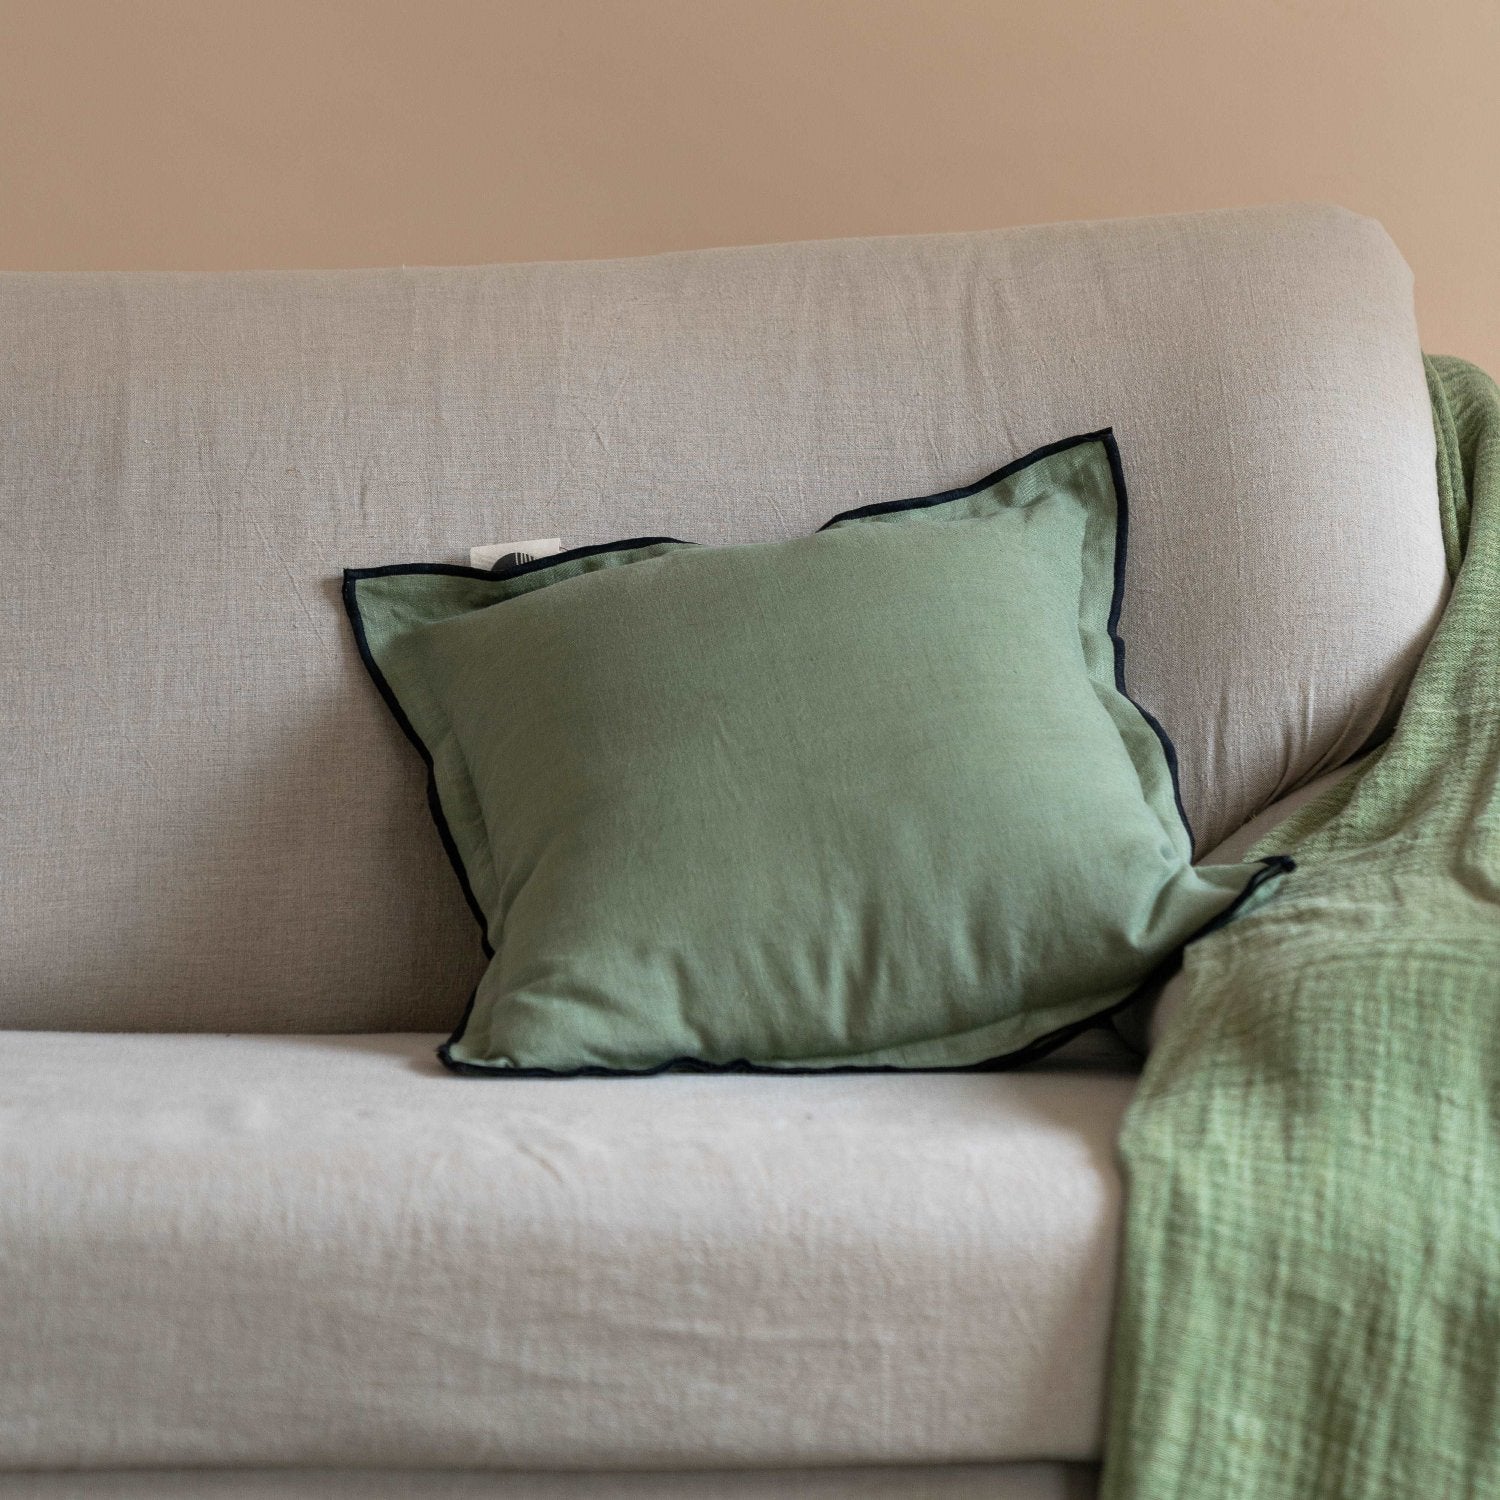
(1310,1304)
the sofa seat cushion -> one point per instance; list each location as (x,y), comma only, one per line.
(325,1250)
(1044,1481)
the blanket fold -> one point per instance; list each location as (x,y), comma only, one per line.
(1310,1292)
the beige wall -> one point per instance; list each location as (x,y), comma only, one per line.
(225,133)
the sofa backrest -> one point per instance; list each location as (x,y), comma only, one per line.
(209,820)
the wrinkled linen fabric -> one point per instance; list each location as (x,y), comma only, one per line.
(327,1251)
(210,823)
(1310,1302)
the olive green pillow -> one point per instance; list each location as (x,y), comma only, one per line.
(871,798)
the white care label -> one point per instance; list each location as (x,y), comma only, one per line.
(512,554)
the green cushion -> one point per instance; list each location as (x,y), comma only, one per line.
(870,798)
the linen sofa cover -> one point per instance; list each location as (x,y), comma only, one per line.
(323,1251)
(263,1250)
(210,823)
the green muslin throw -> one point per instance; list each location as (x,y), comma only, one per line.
(1310,1300)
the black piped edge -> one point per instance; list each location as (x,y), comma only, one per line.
(1117,603)
(434,802)
(352,577)
(1104,435)
(536,565)
(1038,1048)
(1270,867)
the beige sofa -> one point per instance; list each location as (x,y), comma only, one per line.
(253,1241)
